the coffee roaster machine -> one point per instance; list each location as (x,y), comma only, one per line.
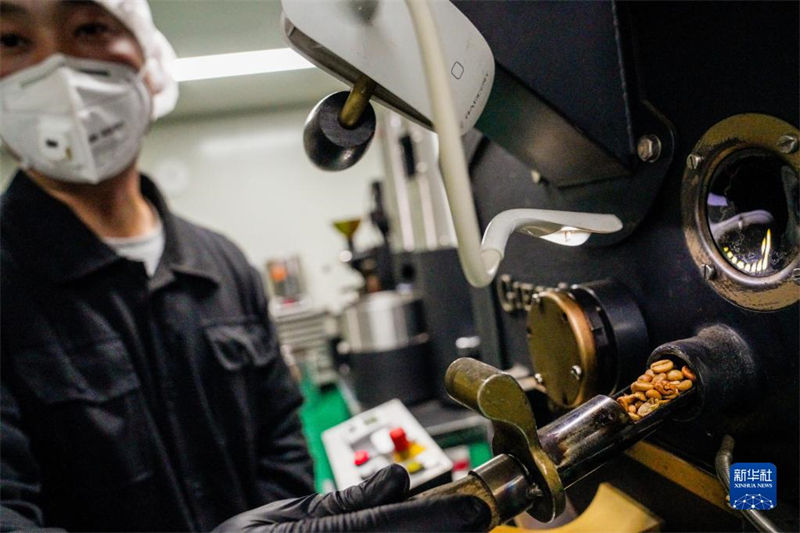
(680,119)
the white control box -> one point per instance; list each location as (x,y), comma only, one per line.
(388,433)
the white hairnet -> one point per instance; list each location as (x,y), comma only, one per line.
(158,53)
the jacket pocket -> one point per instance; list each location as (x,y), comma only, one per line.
(239,344)
(90,421)
(91,373)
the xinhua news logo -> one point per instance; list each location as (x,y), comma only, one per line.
(754,486)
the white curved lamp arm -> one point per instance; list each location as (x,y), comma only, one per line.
(480,262)
(568,228)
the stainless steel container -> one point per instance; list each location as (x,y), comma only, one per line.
(382,321)
(387,348)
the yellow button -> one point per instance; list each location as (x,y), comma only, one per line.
(413,467)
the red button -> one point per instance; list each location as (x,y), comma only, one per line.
(463,464)
(361,457)
(399,439)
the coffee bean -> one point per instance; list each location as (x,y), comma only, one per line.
(663,386)
(653,393)
(647,408)
(674,374)
(663,365)
(659,384)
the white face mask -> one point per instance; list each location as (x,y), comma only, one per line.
(72,119)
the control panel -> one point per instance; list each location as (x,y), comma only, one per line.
(388,433)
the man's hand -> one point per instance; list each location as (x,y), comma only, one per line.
(377,504)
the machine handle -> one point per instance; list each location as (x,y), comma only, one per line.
(498,397)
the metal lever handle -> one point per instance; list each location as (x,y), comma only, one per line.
(357,101)
(498,397)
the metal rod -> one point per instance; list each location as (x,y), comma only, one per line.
(356,102)
(577,442)
(501,483)
(587,437)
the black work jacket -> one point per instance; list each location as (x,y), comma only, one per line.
(133,403)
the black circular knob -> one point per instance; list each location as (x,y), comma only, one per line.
(329,144)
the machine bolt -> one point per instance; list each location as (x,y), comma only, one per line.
(648,148)
(788,143)
(576,372)
(709,272)
(536,301)
(538,378)
(533,492)
(796,276)
(693,161)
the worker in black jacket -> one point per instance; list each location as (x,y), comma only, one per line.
(142,387)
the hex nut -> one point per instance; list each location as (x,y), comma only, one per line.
(648,148)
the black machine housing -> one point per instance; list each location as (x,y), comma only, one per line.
(613,72)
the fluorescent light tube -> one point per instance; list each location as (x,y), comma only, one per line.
(238,64)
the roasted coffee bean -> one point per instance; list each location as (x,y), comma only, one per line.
(659,384)
(647,408)
(663,386)
(664,365)
(653,393)
(674,374)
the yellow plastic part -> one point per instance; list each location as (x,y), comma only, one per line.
(680,472)
(413,450)
(610,510)
(413,467)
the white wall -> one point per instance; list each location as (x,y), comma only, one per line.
(247,177)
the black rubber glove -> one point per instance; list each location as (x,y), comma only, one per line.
(377,504)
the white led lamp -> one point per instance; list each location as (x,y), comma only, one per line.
(377,45)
